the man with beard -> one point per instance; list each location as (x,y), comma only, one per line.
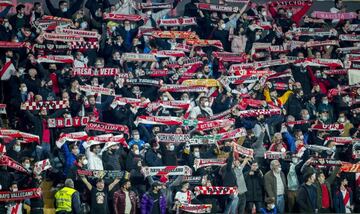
(125,200)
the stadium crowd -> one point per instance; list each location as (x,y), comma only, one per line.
(140,107)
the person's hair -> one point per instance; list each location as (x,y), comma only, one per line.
(69,183)
(19,7)
(79,157)
(72,146)
(37,4)
(92,148)
(272,164)
(23,159)
(184,183)
(318,173)
(62,2)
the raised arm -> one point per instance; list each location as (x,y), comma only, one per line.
(51,7)
(112,185)
(86,182)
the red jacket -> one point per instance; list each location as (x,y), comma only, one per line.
(119,202)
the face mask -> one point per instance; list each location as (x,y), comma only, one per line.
(20,15)
(222,26)
(278,170)
(165,98)
(307,117)
(136,152)
(197,154)
(85,162)
(301,137)
(257,37)
(341,119)
(272,206)
(325,102)
(17,148)
(6,24)
(172,147)
(24,89)
(64,9)
(324,118)
(199,76)
(27,166)
(136,137)
(207,104)
(15,189)
(149,13)
(295,160)
(290,14)
(83,25)
(263,13)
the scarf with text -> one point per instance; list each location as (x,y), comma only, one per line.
(121,101)
(105,174)
(167,170)
(61,59)
(217,8)
(122,17)
(349,37)
(6,196)
(196,208)
(95,71)
(139,57)
(58,37)
(5,44)
(96,90)
(137,81)
(173,138)
(173,34)
(208,125)
(271,155)
(329,15)
(153,5)
(182,88)
(205,43)
(67,122)
(204,140)
(9,162)
(107,127)
(328,127)
(177,22)
(214,190)
(81,33)
(159,120)
(243,150)
(349,167)
(200,163)
(168,53)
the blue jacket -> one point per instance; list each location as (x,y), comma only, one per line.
(338,201)
(290,139)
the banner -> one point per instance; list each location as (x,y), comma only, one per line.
(107,127)
(67,122)
(173,138)
(214,190)
(48,105)
(167,170)
(200,163)
(6,196)
(105,174)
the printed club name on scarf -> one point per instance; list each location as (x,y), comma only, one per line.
(20,194)
(196,208)
(178,22)
(95,71)
(173,138)
(107,127)
(167,170)
(219,8)
(68,122)
(329,15)
(214,190)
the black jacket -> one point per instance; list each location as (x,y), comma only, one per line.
(305,201)
(255,186)
(68,14)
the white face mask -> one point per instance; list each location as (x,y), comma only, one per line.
(257,37)
(64,10)
(85,162)
(15,189)
(222,26)
(172,147)
(263,13)
(307,117)
(136,152)
(27,166)
(272,206)
(197,154)
(325,102)
(207,104)
(83,25)
(17,148)
(149,13)
(136,137)
(24,89)
(165,98)
(341,119)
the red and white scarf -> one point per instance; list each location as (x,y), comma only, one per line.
(196,208)
(177,22)
(349,167)
(48,105)
(257,112)
(274,155)
(208,125)
(41,166)
(182,88)
(96,90)
(2,108)
(95,71)
(200,163)
(168,53)
(6,196)
(9,162)
(81,33)
(349,37)
(214,190)
(328,127)
(122,17)
(7,70)
(107,127)
(26,137)
(243,150)
(159,120)
(173,34)
(153,5)
(149,82)
(62,59)
(134,102)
